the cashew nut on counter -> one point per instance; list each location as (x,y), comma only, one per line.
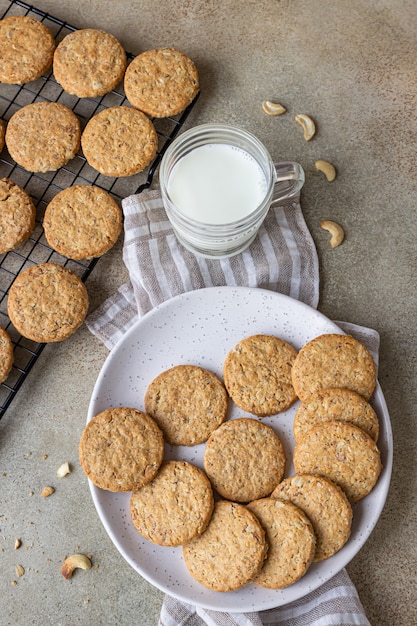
(273,108)
(73,562)
(336,231)
(327,168)
(308,125)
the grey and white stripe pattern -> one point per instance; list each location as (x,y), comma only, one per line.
(336,603)
(282,258)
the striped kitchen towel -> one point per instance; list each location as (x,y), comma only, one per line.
(282,257)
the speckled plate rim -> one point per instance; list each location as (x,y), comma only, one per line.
(200,327)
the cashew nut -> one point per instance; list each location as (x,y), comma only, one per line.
(308,125)
(336,231)
(20,570)
(327,168)
(73,562)
(17,544)
(63,470)
(47,491)
(273,108)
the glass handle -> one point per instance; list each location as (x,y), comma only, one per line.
(290,179)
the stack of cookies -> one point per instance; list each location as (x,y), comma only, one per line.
(238,518)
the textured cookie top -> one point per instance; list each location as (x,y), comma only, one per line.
(325,505)
(82,222)
(342,453)
(6,354)
(47,302)
(43,136)
(257,375)
(89,62)
(334,361)
(161,82)
(17,215)
(187,402)
(244,460)
(2,134)
(230,552)
(291,541)
(175,506)
(121,449)
(335,405)
(119,141)
(27,48)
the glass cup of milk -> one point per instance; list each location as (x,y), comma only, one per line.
(217,184)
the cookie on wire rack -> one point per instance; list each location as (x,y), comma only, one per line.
(161,82)
(89,62)
(2,134)
(43,136)
(6,354)
(119,141)
(17,215)
(82,222)
(27,48)
(47,302)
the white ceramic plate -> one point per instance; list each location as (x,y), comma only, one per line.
(199,328)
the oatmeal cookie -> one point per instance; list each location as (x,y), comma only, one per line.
(329,405)
(6,354)
(27,48)
(342,453)
(43,136)
(244,460)
(175,506)
(187,402)
(89,63)
(325,505)
(257,375)
(47,302)
(121,449)
(291,541)
(82,222)
(161,82)
(334,360)
(119,141)
(17,215)
(230,552)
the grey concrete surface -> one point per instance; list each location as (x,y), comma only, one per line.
(352,66)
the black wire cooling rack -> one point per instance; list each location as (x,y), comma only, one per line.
(43,187)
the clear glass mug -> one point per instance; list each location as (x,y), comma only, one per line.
(217,184)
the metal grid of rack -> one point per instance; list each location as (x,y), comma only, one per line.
(42,187)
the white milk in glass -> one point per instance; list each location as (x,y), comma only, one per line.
(217,184)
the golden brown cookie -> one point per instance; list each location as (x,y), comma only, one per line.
(342,453)
(43,136)
(6,354)
(161,82)
(325,505)
(17,215)
(2,134)
(119,141)
(47,302)
(175,506)
(291,541)
(187,402)
(244,460)
(27,48)
(328,405)
(82,222)
(121,449)
(230,552)
(257,375)
(89,63)
(334,360)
